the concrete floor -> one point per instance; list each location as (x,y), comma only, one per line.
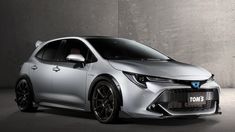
(48,120)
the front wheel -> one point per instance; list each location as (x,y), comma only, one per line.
(105,103)
(24,96)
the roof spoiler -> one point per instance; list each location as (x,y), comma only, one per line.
(38,43)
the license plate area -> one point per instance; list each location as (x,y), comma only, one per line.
(196,99)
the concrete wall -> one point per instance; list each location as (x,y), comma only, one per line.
(196,31)
(22,22)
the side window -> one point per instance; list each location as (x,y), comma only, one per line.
(49,51)
(74,46)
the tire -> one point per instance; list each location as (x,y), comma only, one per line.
(24,96)
(105,102)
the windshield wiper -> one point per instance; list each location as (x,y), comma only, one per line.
(131,58)
(152,59)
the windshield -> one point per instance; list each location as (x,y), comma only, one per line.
(118,49)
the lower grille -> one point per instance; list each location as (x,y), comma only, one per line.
(177,100)
(182,106)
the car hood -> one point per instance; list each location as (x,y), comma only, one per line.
(166,69)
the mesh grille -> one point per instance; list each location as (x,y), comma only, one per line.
(177,100)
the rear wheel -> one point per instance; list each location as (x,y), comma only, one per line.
(105,103)
(25,96)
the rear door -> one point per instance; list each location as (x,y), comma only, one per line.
(42,70)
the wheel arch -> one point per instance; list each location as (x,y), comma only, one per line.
(23,76)
(106,77)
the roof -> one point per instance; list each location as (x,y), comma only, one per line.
(97,37)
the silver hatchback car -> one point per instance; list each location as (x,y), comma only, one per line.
(110,76)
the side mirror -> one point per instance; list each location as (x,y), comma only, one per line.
(75,57)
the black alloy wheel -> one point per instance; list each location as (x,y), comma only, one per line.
(24,96)
(105,103)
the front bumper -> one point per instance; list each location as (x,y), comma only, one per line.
(161,101)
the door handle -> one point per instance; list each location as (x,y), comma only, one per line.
(34,67)
(56,69)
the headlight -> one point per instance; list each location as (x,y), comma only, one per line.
(140,80)
(212,78)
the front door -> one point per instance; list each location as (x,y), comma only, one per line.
(69,80)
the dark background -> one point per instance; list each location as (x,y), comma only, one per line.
(200,32)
